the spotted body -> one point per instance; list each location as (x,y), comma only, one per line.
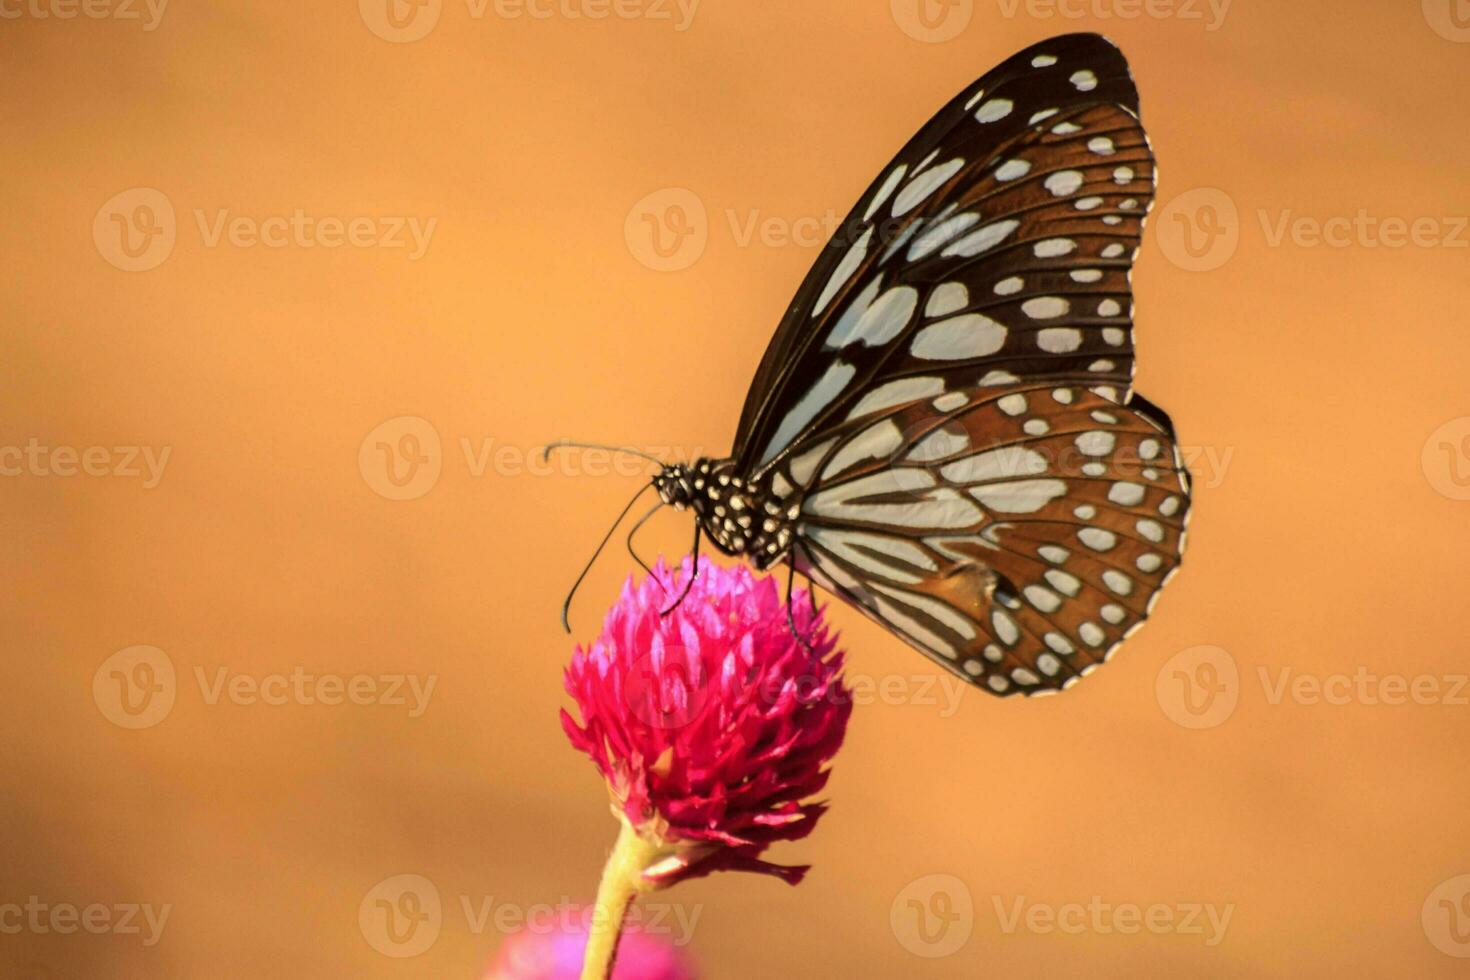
(943,431)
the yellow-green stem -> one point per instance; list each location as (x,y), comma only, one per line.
(622,881)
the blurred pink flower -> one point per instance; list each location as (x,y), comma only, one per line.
(557,955)
(713,726)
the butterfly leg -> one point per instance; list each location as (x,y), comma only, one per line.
(634,552)
(790,606)
(694,573)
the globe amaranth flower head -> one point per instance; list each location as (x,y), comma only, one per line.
(714,725)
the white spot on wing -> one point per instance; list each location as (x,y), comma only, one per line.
(995,465)
(875,442)
(939,444)
(884,191)
(896,393)
(844,270)
(994,110)
(1059,340)
(1096,443)
(1053,247)
(1125,493)
(827,388)
(1064,183)
(951,401)
(981,240)
(880,322)
(1012,170)
(924,184)
(939,508)
(947,298)
(1023,497)
(959,338)
(1045,307)
(804,467)
(940,233)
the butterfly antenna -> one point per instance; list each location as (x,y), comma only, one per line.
(566,606)
(692,575)
(546,451)
(634,552)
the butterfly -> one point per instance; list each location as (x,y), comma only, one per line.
(943,430)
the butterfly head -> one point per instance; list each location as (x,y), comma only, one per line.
(675,485)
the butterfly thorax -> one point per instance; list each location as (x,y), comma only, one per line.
(742,518)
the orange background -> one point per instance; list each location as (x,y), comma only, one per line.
(1330,537)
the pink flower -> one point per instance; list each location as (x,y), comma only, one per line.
(713,726)
(557,955)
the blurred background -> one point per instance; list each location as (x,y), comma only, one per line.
(296,291)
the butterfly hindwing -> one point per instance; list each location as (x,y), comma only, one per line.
(996,248)
(1014,535)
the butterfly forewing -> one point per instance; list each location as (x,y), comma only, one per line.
(995,248)
(1015,536)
